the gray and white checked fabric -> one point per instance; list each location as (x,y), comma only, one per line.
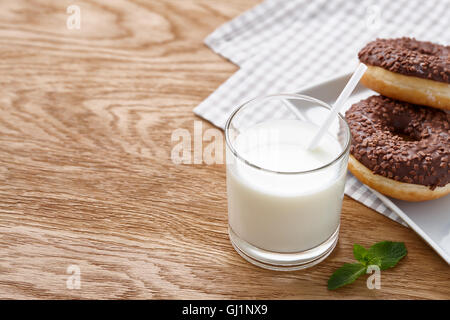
(282,45)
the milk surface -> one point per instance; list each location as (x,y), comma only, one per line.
(284,212)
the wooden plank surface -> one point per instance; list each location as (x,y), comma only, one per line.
(86,118)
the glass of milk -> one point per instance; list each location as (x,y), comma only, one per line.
(284,201)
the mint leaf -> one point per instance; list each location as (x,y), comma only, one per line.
(360,253)
(346,274)
(374,260)
(388,253)
(385,254)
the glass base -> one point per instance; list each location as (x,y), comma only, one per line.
(283,261)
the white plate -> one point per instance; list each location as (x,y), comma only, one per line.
(430,219)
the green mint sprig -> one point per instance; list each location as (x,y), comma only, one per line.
(385,254)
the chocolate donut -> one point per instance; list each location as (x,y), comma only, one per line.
(409,70)
(400,149)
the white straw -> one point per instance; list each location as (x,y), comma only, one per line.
(338,104)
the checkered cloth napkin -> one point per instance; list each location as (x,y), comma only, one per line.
(282,45)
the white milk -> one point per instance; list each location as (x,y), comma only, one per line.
(284,212)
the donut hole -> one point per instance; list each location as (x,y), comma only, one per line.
(406,136)
(403,128)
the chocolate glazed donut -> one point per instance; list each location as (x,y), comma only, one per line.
(409,70)
(400,149)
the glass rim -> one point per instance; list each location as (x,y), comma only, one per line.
(286,96)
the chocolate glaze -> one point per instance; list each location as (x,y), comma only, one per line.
(409,57)
(401,141)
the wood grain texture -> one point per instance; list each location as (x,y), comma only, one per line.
(86,118)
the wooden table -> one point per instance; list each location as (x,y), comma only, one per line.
(86,118)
